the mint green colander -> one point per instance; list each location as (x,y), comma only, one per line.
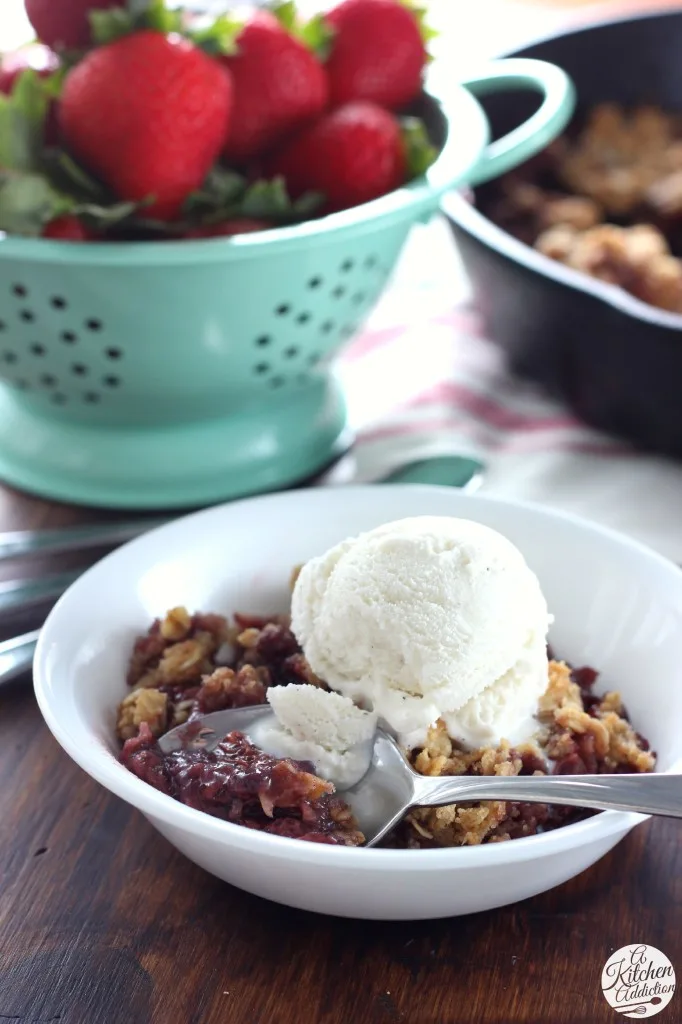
(181,373)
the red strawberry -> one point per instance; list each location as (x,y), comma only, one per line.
(228,228)
(351,155)
(149,114)
(278,85)
(36,57)
(378,53)
(67,229)
(63,24)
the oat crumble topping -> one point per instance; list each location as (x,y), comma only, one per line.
(607,203)
(175,677)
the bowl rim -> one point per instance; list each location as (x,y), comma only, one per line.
(461,152)
(467,217)
(105,769)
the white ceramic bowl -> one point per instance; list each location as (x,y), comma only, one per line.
(618,607)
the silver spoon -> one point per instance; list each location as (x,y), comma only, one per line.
(390,788)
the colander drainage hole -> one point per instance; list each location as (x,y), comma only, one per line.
(57,302)
(313,359)
(69,337)
(370,262)
(347,265)
(93,325)
(283,309)
(80,369)
(27,316)
(291,352)
(261,368)
(327,326)
(19,290)
(91,397)
(277,382)
(38,350)
(112,382)
(113,353)
(339,292)
(21,384)
(263,340)
(303,318)
(9,357)
(315,282)
(47,380)
(3,325)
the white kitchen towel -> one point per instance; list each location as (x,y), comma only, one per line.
(423,380)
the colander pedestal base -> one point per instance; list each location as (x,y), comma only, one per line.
(268,447)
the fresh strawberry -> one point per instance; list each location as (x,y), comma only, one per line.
(35,57)
(228,228)
(149,114)
(64,24)
(351,155)
(377,54)
(278,86)
(67,229)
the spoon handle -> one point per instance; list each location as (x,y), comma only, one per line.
(645,793)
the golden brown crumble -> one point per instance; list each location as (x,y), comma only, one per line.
(637,259)
(176,625)
(177,659)
(607,203)
(620,155)
(566,731)
(150,706)
(227,688)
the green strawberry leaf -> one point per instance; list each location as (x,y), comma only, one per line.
(217,36)
(137,7)
(27,202)
(226,194)
(318,35)
(307,205)
(109,24)
(157,16)
(104,217)
(68,176)
(315,33)
(421,15)
(286,13)
(419,150)
(270,200)
(220,191)
(22,122)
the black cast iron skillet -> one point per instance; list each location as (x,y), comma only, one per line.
(616,361)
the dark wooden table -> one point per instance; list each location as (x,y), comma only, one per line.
(101,922)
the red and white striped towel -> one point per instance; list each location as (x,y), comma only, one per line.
(423,380)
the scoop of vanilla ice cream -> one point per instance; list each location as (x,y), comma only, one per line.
(316,725)
(425,618)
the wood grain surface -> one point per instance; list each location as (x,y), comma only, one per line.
(101,922)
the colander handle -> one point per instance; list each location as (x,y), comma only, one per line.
(540,129)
